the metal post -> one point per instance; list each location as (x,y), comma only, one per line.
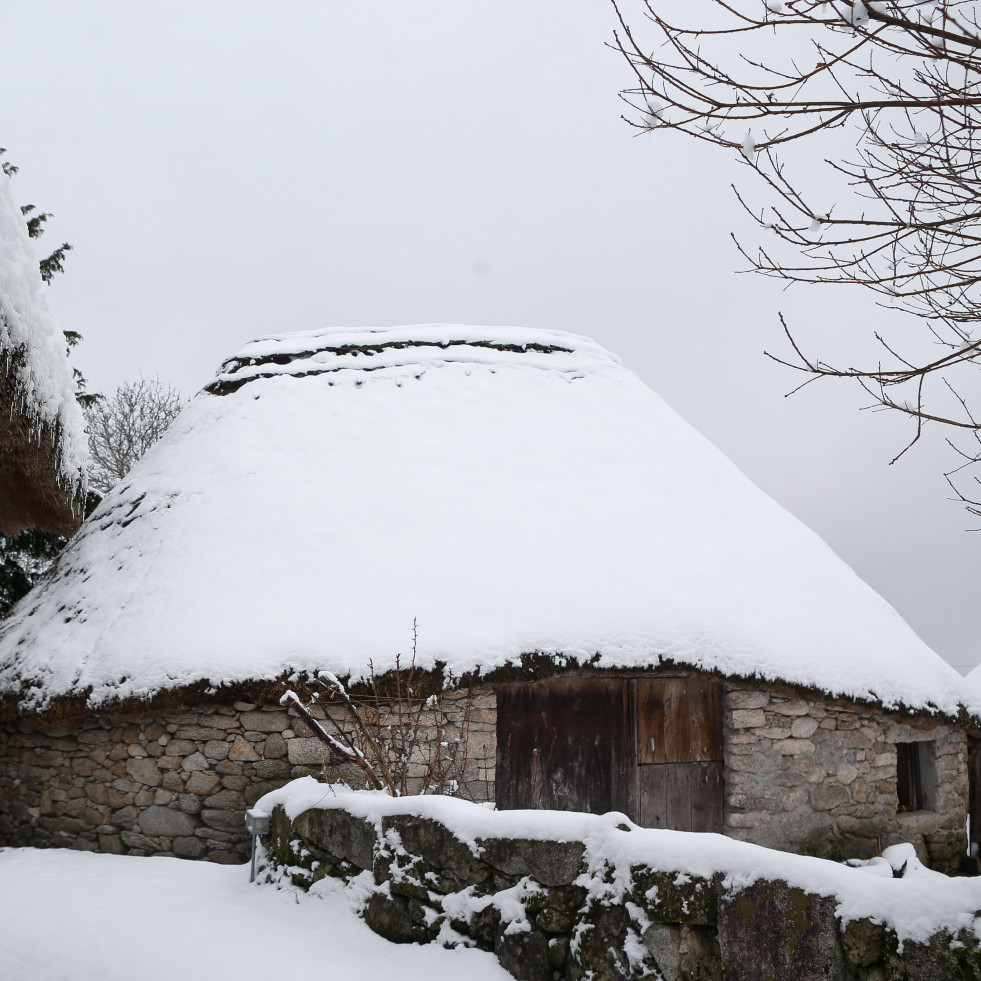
(256,823)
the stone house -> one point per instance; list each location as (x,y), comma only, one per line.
(627,623)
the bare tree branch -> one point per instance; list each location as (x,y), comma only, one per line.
(903,78)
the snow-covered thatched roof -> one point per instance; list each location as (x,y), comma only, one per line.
(43,447)
(973,683)
(513,491)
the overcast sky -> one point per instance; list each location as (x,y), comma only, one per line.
(228,170)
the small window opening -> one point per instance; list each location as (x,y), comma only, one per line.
(909,780)
(916,777)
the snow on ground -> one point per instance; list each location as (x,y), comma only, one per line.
(916,905)
(513,491)
(76,916)
(27,324)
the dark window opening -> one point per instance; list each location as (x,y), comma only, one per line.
(915,776)
(909,778)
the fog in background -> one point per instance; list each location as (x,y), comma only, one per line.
(228,170)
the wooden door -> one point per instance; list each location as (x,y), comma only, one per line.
(679,753)
(566,744)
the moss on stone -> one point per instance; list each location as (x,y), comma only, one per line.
(864,942)
(670,897)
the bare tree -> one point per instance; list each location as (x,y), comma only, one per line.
(889,93)
(124,426)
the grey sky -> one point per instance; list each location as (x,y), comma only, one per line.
(226,170)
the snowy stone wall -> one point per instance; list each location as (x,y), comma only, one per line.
(819,775)
(177,784)
(571,897)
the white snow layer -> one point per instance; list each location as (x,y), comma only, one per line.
(916,905)
(27,324)
(75,916)
(511,490)
(972,682)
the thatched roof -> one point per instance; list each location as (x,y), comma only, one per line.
(513,491)
(33,493)
(42,439)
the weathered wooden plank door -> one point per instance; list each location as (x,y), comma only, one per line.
(679,753)
(565,743)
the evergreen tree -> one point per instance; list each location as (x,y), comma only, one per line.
(25,557)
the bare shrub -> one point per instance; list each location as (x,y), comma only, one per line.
(401,740)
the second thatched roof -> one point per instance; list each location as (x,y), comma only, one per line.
(43,447)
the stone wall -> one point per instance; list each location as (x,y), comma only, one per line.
(803,773)
(550,912)
(179,784)
(819,775)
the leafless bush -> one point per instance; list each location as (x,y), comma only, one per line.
(402,741)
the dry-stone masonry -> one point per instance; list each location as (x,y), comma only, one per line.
(179,784)
(549,915)
(819,775)
(803,772)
